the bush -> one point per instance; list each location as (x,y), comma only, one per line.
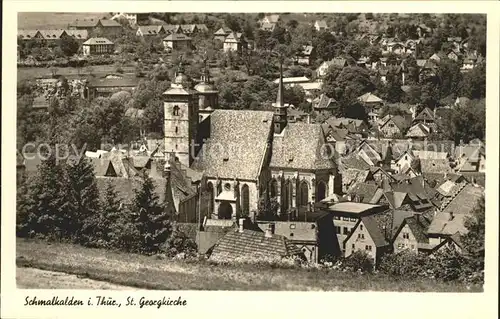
(358,261)
(179,243)
(406,264)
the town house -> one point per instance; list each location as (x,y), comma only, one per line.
(176,41)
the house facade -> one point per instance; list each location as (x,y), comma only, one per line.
(177,41)
(98,46)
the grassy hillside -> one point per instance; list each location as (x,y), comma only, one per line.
(53,20)
(153,273)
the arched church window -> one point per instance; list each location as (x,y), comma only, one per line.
(176,130)
(245,200)
(321,193)
(227,187)
(176,110)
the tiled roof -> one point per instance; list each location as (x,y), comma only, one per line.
(370,98)
(399,121)
(232,132)
(78,34)
(398,218)
(430,155)
(102,167)
(418,130)
(426,114)
(435,166)
(253,244)
(110,23)
(352,207)
(418,226)
(374,228)
(223,31)
(233,37)
(352,176)
(300,147)
(150,29)
(460,205)
(367,192)
(96,41)
(354,161)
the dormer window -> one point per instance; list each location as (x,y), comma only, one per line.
(176,110)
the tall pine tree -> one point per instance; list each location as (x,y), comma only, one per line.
(49,201)
(152,220)
(83,190)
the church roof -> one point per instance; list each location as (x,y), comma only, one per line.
(237,144)
(300,147)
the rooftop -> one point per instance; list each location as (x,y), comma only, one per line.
(352,207)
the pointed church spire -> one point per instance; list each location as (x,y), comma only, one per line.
(279,98)
(280,112)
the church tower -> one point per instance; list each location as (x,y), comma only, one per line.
(207,94)
(181,118)
(280,112)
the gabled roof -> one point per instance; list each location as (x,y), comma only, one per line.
(149,29)
(268,26)
(368,193)
(324,102)
(300,147)
(370,98)
(375,229)
(400,122)
(96,41)
(231,130)
(418,130)
(450,218)
(78,34)
(338,62)
(233,37)
(434,166)
(354,161)
(223,31)
(253,244)
(418,226)
(426,114)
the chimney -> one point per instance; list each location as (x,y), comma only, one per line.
(269,231)
(241,222)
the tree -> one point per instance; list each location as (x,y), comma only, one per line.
(469,122)
(473,83)
(151,221)
(69,46)
(449,77)
(349,84)
(84,196)
(49,204)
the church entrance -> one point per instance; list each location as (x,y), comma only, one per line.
(225,211)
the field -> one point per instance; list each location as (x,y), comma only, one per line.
(53,20)
(153,273)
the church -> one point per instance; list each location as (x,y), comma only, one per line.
(246,157)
